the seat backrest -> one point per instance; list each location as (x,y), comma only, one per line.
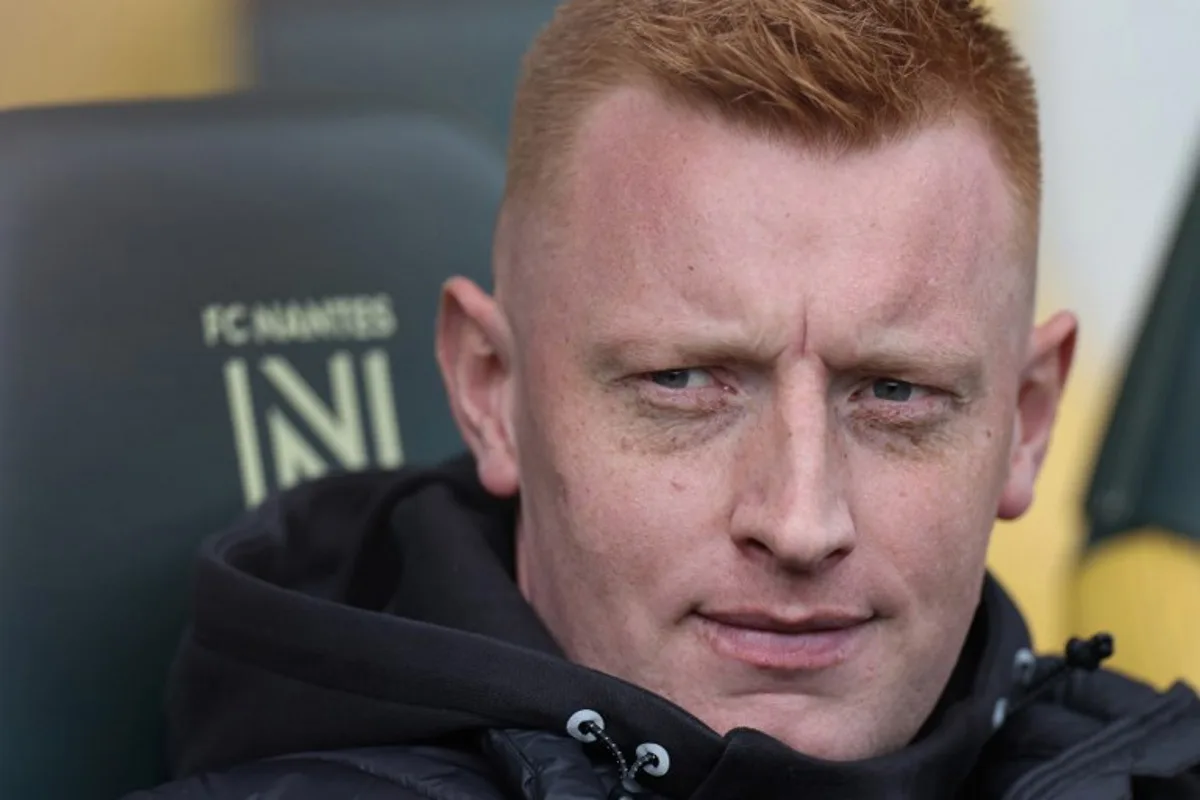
(200,302)
(458,59)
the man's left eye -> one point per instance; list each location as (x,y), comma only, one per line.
(894,391)
(679,379)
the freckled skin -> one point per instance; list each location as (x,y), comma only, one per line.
(767,474)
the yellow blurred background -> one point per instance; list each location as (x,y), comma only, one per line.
(58,51)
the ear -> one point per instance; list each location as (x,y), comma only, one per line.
(474,349)
(1048,363)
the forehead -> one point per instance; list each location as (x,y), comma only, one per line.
(673,207)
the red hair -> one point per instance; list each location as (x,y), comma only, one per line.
(839,74)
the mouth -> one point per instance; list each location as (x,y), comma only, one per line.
(811,643)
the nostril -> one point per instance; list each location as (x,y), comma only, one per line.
(788,559)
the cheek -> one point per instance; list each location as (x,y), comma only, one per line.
(619,493)
(641,512)
(625,513)
(930,518)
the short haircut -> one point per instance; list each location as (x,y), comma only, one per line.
(837,74)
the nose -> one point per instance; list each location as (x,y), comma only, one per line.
(791,505)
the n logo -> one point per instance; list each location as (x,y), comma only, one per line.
(338,425)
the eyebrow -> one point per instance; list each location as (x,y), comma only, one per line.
(940,362)
(711,347)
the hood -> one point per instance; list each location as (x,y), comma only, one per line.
(381,609)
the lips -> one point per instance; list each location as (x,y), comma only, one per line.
(816,641)
(812,623)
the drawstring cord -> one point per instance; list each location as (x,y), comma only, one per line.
(587,726)
(1081,655)
(593,729)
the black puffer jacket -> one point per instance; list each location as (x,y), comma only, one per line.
(362,637)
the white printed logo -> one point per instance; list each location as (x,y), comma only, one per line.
(356,440)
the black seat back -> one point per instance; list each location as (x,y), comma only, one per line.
(200,302)
(457,59)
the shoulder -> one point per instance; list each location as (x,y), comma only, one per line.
(364,490)
(1154,735)
(340,495)
(1106,699)
(328,506)
(393,773)
(1102,730)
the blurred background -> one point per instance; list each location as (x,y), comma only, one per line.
(1111,544)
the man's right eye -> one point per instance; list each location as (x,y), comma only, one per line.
(679,379)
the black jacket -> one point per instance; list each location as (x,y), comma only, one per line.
(363,637)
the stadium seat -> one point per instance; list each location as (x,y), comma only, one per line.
(201,302)
(457,59)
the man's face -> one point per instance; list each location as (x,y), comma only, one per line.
(762,411)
